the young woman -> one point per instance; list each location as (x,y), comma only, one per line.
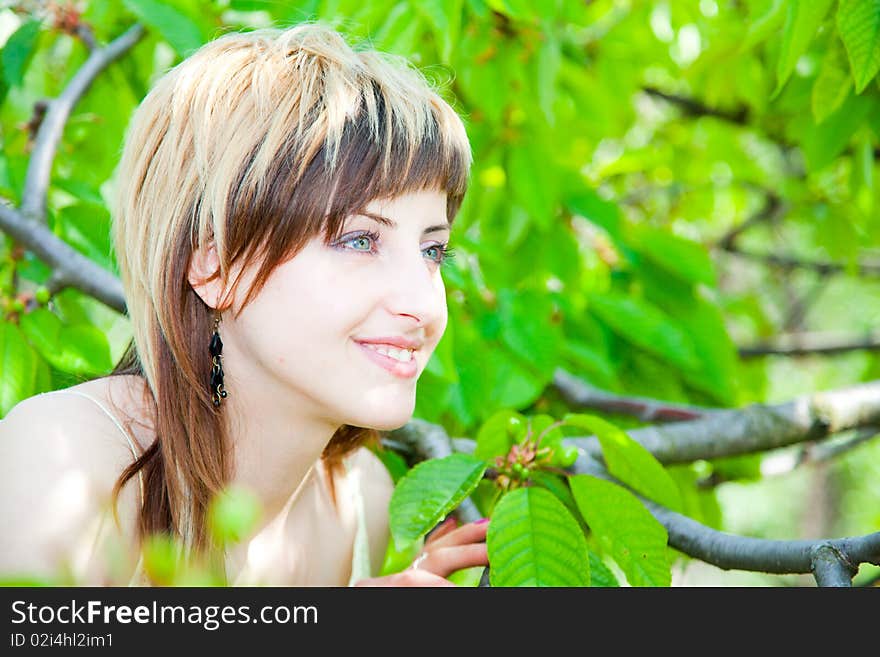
(282,211)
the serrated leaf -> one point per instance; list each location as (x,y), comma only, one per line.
(803,20)
(428,492)
(534,541)
(18,51)
(629,461)
(557,486)
(625,528)
(176,28)
(858,22)
(600,574)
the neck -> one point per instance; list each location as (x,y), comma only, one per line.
(275,438)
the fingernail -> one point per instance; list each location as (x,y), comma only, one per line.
(481,521)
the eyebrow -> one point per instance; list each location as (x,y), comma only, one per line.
(389,222)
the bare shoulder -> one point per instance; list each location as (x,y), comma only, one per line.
(60,456)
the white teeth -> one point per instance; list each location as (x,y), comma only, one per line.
(403,355)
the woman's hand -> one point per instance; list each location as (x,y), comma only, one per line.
(447,549)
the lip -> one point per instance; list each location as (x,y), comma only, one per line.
(403,370)
(397,341)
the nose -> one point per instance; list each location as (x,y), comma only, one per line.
(415,289)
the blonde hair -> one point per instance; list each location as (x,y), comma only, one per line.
(260,141)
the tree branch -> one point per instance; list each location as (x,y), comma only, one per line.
(582,395)
(806,344)
(755,428)
(831,568)
(790,262)
(729,551)
(39,170)
(732,552)
(71,268)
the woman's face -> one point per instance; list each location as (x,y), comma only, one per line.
(303,332)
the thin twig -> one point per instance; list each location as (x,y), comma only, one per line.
(772,210)
(810,344)
(821,266)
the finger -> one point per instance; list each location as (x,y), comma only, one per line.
(446,560)
(420,577)
(442,529)
(406,578)
(473,532)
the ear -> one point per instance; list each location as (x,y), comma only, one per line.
(204,275)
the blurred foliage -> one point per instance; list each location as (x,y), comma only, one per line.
(617,143)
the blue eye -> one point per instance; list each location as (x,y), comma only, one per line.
(361,236)
(444,253)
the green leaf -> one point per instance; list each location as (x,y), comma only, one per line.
(42,327)
(86,227)
(18,365)
(646,326)
(629,461)
(533,186)
(681,257)
(598,211)
(858,22)
(697,503)
(394,463)
(526,328)
(176,28)
(534,541)
(832,85)
(84,350)
(498,434)
(626,529)
(428,492)
(18,51)
(444,17)
(556,484)
(442,361)
(822,143)
(233,514)
(803,20)
(548,61)
(600,574)
(765,25)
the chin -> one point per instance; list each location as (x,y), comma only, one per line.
(387,422)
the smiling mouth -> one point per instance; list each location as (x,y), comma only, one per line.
(404,369)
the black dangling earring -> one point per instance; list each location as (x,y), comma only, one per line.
(217,390)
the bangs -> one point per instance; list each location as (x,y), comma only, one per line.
(389,135)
